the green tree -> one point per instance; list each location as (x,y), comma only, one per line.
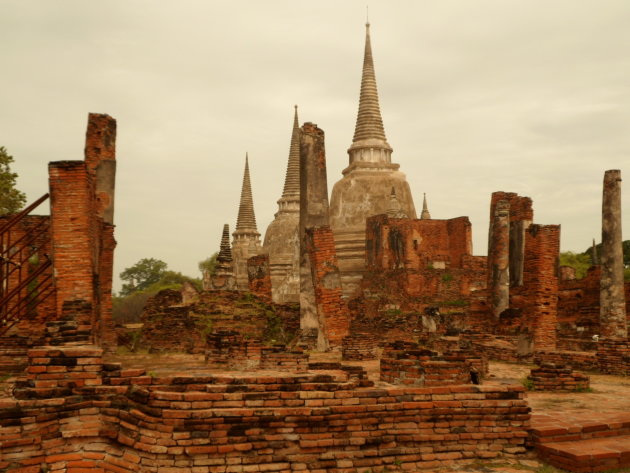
(141,275)
(580,261)
(209,264)
(129,304)
(11,199)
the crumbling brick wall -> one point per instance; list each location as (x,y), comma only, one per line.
(259,277)
(414,266)
(553,377)
(169,324)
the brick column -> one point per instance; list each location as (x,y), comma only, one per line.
(612,300)
(72,231)
(540,283)
(100,160)
(499,259)
(313,213)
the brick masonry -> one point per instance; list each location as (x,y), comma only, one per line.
(74,412)
(553,377)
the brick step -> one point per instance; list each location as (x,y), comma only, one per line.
(589,455)
(548,428)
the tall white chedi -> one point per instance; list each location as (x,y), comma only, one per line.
(367,182)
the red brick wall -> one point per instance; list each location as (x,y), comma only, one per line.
(331,308)
(413,264)
(417,244)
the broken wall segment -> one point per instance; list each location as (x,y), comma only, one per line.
(521,216)
(332,311)
(539,293)
(258,276)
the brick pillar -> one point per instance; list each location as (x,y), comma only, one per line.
(72,231)
(540,283)
(331,309)
(313,213)
(612,300)
(100,160)
(499,259)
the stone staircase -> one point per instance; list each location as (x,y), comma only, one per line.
(583,442)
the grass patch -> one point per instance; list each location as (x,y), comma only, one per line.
(528,383)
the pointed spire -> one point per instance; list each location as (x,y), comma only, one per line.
(395,209)
(425,215)
(292,179)
(246,219)
(225,251)
(369,122)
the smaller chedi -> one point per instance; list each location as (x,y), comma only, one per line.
(282,242)
(246,239)
(223,277)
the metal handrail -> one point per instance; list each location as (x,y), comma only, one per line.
(18,216)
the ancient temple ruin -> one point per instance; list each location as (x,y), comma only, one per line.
(385,365)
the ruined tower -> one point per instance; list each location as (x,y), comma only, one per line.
(282,237)
(246,239)
(365,188)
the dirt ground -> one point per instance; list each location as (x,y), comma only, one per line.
(608,394)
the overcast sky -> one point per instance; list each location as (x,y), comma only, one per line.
(477,96)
